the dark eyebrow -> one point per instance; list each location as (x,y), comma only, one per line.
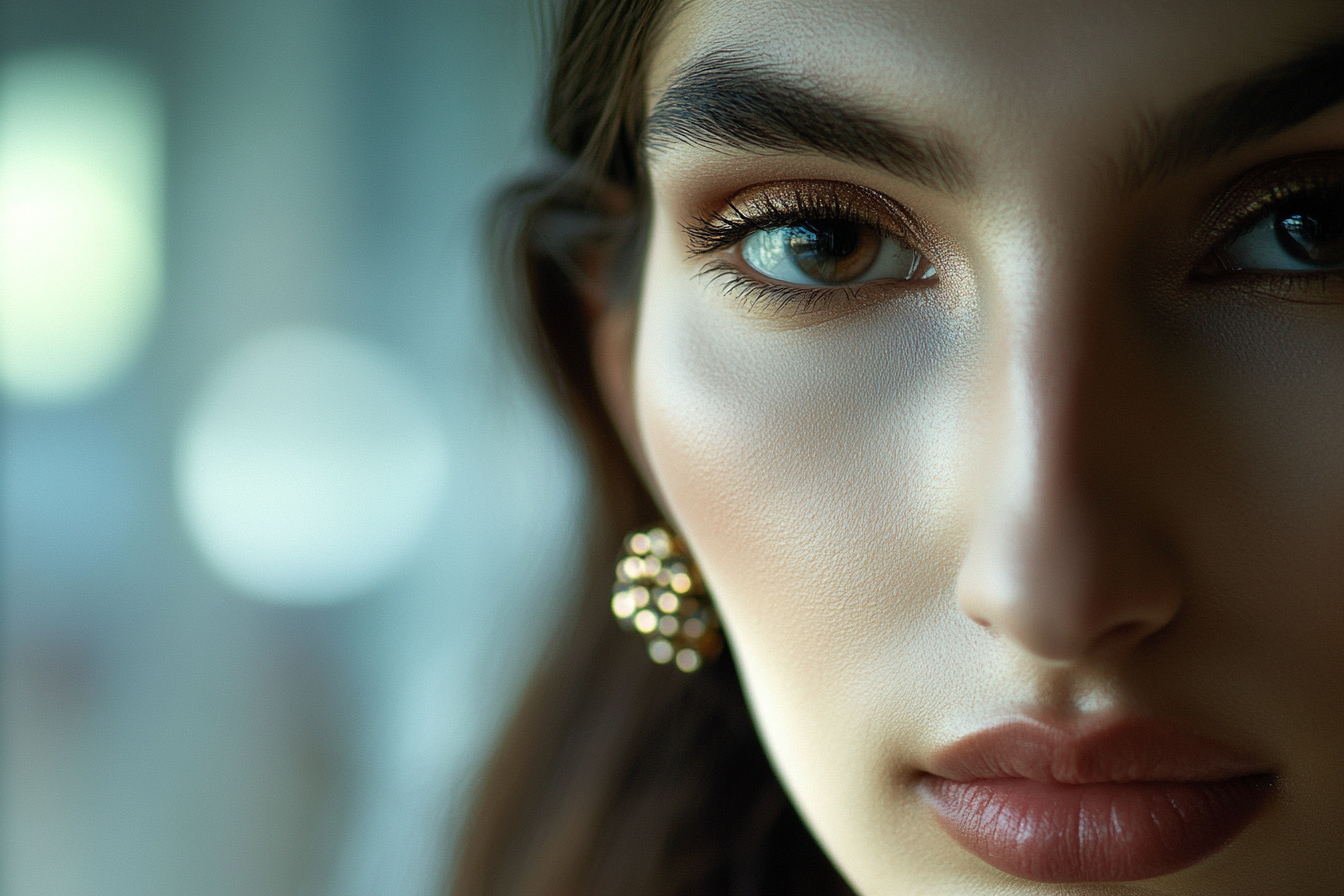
(1232,115)
(722,100)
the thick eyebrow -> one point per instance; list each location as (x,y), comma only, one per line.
(724,101)
(1233,115)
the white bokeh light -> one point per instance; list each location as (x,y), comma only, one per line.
(310,467)
(81,172)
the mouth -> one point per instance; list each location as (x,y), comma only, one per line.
(1123,802)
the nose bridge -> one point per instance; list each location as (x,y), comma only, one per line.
(1052,565)
(1040,381)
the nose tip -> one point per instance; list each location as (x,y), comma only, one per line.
(1062,589)
(1067,553)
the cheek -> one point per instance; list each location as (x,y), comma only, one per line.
(826,479)
(815,473)
(1251,470)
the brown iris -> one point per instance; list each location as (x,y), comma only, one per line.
(834,251)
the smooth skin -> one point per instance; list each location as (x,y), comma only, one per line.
(1067,478)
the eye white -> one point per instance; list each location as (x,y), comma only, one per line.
(770,252)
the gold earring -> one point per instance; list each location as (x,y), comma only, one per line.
(659,593)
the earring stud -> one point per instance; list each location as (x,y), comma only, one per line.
(659,593)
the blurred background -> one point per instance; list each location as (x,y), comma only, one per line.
(281,521)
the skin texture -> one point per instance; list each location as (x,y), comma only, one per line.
(1064,480)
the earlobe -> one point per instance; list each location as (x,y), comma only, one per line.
(613,354)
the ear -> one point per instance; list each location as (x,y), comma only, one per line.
(612,328)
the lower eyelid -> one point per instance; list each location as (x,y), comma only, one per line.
(763,298)
(758,294)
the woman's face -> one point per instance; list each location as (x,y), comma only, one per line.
(990,356)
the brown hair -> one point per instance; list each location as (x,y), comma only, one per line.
(616,777)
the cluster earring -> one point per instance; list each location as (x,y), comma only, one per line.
(659,593)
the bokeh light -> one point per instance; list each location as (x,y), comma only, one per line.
(81,174)
(310,467)
(299,161)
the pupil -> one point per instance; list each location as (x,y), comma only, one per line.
(829,239)
(1313,237)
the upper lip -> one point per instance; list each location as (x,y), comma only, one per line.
(1115,751)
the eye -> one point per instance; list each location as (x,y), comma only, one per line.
(1304,234)
(831,253)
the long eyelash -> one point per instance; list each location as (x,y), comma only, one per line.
(719,231)
(753,293)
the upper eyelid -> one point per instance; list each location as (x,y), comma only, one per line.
(1253,213)
(1242,209)
(1237,207)
(1256,193)
(736,220)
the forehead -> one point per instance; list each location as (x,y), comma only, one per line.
(987,72)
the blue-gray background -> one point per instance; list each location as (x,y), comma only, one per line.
(171,727)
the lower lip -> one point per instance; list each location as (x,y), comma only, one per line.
(1062,833)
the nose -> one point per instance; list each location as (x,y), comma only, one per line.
(1060,561)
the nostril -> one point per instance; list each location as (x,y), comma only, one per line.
(1123,635)
(1125,630)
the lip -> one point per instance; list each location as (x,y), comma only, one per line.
(1122,801)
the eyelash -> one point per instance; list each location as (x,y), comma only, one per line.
(725,230)
(1317,187)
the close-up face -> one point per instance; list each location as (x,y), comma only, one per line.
(990,357)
